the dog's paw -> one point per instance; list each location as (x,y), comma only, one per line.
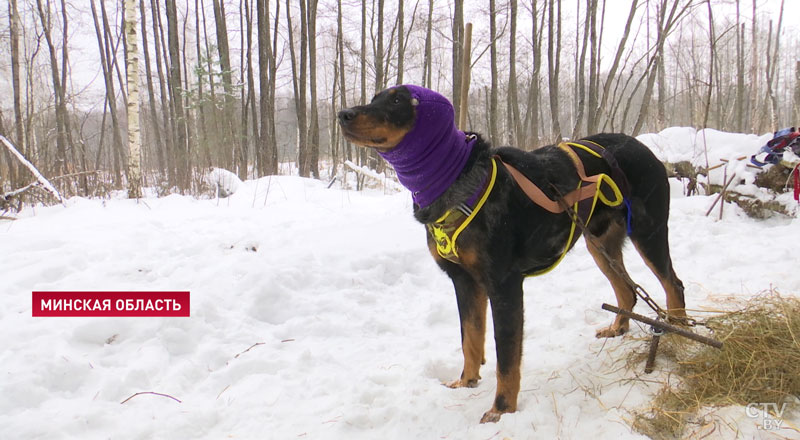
(461,383)
(491,416)
(610,331)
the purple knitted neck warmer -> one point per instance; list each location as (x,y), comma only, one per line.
(431,156)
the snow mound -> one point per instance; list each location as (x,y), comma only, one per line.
(223,182)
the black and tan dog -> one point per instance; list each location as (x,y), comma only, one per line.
(488,232)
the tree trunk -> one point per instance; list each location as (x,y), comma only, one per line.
(427,65)
(342,83)
(754,76)
(266,106)
(19,128)
(103,43)
(159,145)
(379,69)
(401,50)
(250,101)
(594,67)
(313,135)
(179,114)
(458,47)
(132,63)
(580,74)
(492,114)
(227,85)
(553,63)
(664,27)
(61,136)
(166,108)
(299,86)
(514,123)
(611,76)
(532,111)
(771,69)
(796,104)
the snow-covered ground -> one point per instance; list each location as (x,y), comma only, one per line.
(318,313)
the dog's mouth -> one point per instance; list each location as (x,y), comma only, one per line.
(363,141)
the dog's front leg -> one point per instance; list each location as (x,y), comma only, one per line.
(507,315)
(472,301)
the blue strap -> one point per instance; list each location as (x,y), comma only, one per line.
(628,216)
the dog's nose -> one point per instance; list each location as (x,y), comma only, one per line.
(346,116)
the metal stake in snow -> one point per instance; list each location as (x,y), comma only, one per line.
(39,177)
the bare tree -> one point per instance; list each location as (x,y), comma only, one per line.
(458,43)
(401,49)
(151,99)
(532,111)
(103,43)
(62,117)
(666,23)
(132,62)
(772,63)
(299,85)
(554,62)
(177,103)
(165,93)
(605,96)
(754,77)
(514,124)
(267,68)
(380,73)
(427,65)
(796,101)
(313,129)
(19,127)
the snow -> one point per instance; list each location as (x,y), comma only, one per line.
(223,182)
(318,313)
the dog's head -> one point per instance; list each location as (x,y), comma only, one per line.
(382,123)
(413,129)
(393,113)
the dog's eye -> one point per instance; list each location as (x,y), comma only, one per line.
(396,100)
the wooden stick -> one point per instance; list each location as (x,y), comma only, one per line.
(720,194)
(651,356)
(150,392)
(465,77)
(664,326)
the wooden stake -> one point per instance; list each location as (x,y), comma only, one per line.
(465,77)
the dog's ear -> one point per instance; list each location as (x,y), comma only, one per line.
(414,102)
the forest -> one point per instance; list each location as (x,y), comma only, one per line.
(111,95)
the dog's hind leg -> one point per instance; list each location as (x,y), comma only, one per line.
(472,301)
(653,246)
(609,260)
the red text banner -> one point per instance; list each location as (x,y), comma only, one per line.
(111,303)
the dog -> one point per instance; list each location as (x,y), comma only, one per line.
(509,235)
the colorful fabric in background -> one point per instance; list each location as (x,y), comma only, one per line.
(787,138)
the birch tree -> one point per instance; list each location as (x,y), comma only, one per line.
(132,63)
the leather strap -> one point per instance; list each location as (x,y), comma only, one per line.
(540,198)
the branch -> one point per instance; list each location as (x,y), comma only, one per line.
(42,180)
(372,174)
(150,392)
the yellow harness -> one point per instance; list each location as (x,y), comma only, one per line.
(447,228)
(592,183)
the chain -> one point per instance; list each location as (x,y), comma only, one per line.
(639,290)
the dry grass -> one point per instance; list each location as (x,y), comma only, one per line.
(760,362)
